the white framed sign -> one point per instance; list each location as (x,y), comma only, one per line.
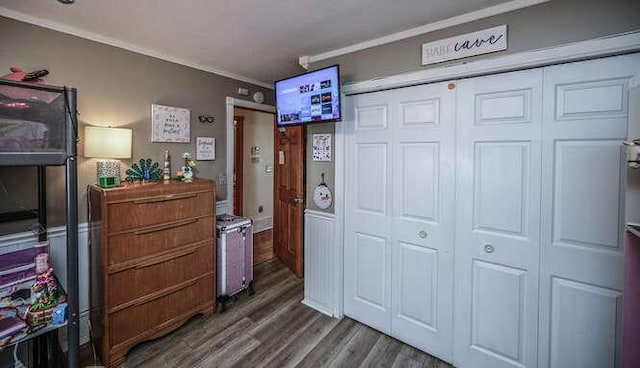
(205,148)
(322,147)
(170,124)
(470,44)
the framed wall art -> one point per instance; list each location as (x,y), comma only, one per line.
(322,147)
(170,124)
(205,148)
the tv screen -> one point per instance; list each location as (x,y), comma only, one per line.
(309,98)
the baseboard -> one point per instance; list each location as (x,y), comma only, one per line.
(262,224)
(320,308)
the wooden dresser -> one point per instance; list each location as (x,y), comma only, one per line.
(152,255)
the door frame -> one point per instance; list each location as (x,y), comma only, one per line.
(582,50)
(238,164)
(232,103)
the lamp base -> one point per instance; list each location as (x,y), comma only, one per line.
(109,168)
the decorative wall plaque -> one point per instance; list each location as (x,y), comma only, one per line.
(170,124)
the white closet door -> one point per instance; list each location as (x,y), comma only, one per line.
(498,220)
(585,121)
(423,122)
(367,252)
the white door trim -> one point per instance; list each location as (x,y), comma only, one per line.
(599,47)
(231,104)
(618,44)
(338,209)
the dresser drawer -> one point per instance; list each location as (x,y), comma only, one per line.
(158,273)
(159,209)
(152,240)
(143,320)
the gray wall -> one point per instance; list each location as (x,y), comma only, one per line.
(315,168)
(553,23)
(117,87)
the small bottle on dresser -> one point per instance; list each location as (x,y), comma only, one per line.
(166,171)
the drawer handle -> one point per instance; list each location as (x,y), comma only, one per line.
(168,257)
(422,234)
(164,227)
(488,248)
(170,197)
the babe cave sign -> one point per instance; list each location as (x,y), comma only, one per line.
(170,124)
(470,44)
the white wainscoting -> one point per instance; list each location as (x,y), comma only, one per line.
(58,251)
(320,269)
(222,207)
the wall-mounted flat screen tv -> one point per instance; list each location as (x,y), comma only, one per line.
(309,98)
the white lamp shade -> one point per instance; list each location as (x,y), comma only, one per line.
(107,142)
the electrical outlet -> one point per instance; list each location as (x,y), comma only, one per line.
(222,179)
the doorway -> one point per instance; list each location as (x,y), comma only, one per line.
(253,177)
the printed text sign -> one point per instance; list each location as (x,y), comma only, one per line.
(470,44)
(170,124)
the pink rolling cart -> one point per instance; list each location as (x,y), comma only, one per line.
(235,257)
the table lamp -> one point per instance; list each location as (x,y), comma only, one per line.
(107,144)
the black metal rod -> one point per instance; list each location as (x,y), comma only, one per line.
(42,202)
(73,327)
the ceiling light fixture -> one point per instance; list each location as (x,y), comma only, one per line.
(66,1)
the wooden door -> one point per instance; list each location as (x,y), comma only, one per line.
(289,188)
(497,250)
(238,157)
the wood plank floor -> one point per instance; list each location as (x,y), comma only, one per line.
(263,246)
(274,329)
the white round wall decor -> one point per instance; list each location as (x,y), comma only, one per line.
(322,197)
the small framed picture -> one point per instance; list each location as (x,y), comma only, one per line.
(322,147)
(205,148)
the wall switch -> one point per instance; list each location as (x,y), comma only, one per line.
(243,91)
(222,179)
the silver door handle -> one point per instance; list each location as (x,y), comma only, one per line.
(298,200)
(488,248)
(422,234)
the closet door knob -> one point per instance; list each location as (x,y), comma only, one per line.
(422,234)
(488,248)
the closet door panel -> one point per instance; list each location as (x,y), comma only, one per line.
(367,263)
(497,220)
(423,131)
(585,122)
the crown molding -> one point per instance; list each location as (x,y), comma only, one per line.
(124,45)
(306,60)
